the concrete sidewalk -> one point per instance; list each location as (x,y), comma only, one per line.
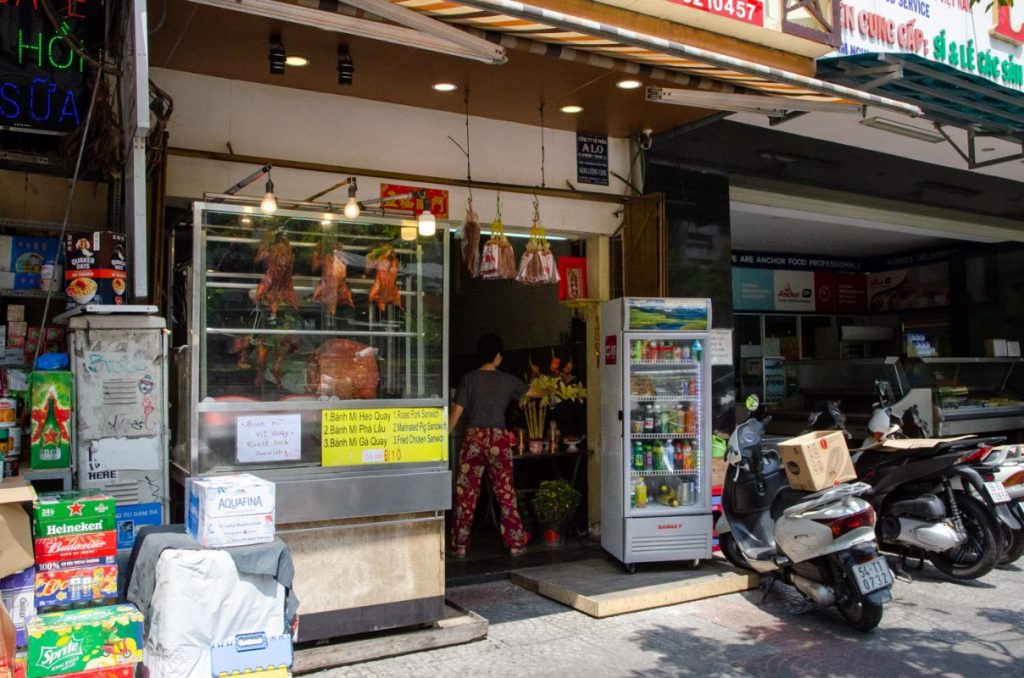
(934,627)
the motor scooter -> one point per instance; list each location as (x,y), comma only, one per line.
(822,543)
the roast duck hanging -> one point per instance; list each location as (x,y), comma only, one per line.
(275,286)
(333,288)
(344,369)
(384,291)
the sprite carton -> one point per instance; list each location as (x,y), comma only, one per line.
(51,421)
(79,640)
(59,514)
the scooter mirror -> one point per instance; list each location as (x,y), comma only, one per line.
(752,402)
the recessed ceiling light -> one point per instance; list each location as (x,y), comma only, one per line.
(297,61)
(628,84)
(572,108)
(445,87)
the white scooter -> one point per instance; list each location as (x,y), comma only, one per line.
(823,543)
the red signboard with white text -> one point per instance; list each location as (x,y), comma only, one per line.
(747,11)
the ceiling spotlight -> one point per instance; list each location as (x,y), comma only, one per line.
(571,108)
(269,203)
(445,86)
(629,84)
(296,61)
(409,230)
(277,55)
(426,223)
(346,69)
(351,210)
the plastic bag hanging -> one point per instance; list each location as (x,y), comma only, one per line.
(471,241)
(537,267)
(499,259)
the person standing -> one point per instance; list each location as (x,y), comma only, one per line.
(483,395)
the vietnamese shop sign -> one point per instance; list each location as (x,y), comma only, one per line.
(43,81)
(976,40)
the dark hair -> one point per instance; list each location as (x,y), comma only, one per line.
(488,346)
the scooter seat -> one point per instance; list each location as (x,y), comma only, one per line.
(785,498)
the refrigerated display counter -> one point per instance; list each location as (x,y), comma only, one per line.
(315,358)
(972,395)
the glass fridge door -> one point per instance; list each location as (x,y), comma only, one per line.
(665,421)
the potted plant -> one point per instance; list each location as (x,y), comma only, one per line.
(554,505)
(559,384)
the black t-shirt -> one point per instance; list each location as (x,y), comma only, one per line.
(484,394)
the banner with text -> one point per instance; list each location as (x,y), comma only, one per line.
(384,436)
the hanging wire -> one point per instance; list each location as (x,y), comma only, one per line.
(542,184)
(469,172)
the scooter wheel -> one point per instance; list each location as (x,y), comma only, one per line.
(981,551)
(859,612)
(1013,545)
(731,551)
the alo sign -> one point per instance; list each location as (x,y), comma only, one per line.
(982,41)
(44,83)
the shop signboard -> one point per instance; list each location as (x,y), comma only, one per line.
(592,159)
(908,288)
(752,289)
(44,82)
(830,292)
(794,291)
(396,435)
(982,39)
(699,12)
(436,199)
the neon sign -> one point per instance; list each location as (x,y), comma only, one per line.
(44,83)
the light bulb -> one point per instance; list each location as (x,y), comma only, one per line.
(325,222)
(269,203)
(427,223)
(408,231)
(351,210)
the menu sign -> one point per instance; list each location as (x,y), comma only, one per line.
(268,438)
(384,436)
(44,83)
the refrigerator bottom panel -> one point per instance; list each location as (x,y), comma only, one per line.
(649,540)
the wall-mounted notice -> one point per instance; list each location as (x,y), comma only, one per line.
(268,438)
(720,347)
(384,436)
(592,159)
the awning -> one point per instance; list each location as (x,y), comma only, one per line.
(557,28)
(945,94)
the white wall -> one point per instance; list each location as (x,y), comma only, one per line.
(277,122)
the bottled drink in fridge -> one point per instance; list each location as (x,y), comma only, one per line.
(659,457)
(656,420)
(648,418)
(648,457)
(641,493)
(638,456)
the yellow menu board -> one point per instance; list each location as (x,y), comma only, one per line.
(384,436)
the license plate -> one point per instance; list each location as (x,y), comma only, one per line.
(873,575)
(997,492)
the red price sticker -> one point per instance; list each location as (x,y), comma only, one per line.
(747,11)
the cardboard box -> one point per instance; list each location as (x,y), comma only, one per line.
(96,561)
(17,328)
(16,313)
(718,470)
(96,268)
(7,280)
(817,460)
(230,510)
(79,640)
(28,254)
(18,594)
(6,249)
(133,517)
(63,513)
(50,398)
(1013,349)
(123,671)
(75,585)
(75,547)
(248,652)
(15,533)
(995,348)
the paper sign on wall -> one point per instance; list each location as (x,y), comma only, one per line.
(268,438)
(720,347)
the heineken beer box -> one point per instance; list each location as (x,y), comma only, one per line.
(230,510)
(81,640)
(50,431)
(58,514)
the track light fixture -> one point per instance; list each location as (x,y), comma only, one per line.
(346,69)
(278,57)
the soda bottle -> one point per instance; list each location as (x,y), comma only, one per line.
(687,457)
(648,418)
(652,351)
(659,457)
(679,456)
(641,494)
(668,455)
(656,420)
(691,421)
(632,495)
(638,456)
(639,350)
(648,457)
(697,349)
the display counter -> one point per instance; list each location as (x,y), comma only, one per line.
(315,358)
(972,395)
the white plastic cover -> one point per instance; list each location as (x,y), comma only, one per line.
(201,599)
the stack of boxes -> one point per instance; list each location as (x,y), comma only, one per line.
(22,258)
(19,341)
(77,634)
(96,268)
(14,335)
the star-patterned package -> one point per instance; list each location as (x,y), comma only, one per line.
(50,432)
(65,513)
(80,640)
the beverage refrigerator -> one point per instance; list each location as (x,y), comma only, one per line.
(656,430)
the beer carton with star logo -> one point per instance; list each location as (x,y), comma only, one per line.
(59,514)
(80,640)
(50,395)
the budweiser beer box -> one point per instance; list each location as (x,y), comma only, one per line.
(85,639)
(75,547)
(230,510)
(75,585)
(96,269)
(59,514)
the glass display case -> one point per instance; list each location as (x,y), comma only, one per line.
(972,395)
(316,357)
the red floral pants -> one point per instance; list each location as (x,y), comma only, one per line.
(490,447)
